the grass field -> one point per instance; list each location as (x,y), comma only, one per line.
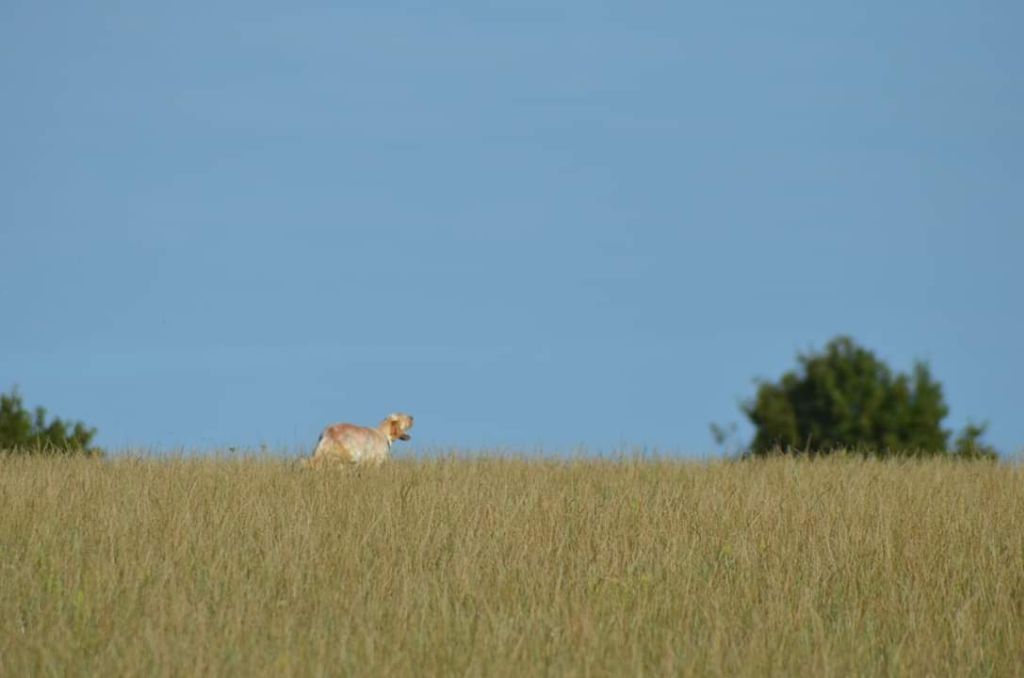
(511,567)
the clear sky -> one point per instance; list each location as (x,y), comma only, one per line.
(529,225)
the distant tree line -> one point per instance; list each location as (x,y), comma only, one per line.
(29,432)
(845,398)
(842,398)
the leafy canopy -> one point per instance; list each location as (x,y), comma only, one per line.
(24,431)
(846,398)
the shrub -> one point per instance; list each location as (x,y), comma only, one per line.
(27,432)
(846,398)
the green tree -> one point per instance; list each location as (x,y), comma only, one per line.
(846,398)
(29,432)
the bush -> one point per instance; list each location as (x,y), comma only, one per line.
(969,445)
(846,398)
(27,432)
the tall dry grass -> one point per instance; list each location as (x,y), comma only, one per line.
(506,567)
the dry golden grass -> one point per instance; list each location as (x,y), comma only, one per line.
(506,567)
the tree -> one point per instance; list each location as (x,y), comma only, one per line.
(24,431)
(846,398)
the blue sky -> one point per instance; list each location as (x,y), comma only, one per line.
(530,226)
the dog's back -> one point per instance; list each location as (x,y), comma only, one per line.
(350,444)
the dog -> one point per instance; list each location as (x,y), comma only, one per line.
(359,445)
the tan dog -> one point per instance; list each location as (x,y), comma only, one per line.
(351,444)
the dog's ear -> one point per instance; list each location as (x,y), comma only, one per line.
(394,427)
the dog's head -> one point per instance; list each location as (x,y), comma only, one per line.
(397,426)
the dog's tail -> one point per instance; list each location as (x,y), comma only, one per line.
(307,462)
